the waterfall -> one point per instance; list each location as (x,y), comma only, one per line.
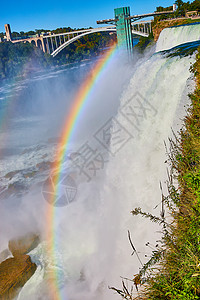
(174,36)
(94,250)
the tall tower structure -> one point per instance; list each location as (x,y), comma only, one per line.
(123,22)
(8,32)
(124,29)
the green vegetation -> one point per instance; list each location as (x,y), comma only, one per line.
(175,19)
(182,8)
(144,42)
(178,274)
(17,59)
(85,48)
(158,25)
(173,271)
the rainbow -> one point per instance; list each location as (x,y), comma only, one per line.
(76,110)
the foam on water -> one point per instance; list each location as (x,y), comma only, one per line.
(94,250)
(174,36)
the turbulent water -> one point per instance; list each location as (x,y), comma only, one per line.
(127,125)
(174,36)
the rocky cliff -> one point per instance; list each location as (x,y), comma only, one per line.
(24,244)
(16,271)
(160,25)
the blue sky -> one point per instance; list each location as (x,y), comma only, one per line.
(25,15)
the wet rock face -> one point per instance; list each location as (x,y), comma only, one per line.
(24,244)
(11,174)
(14,273)
(160,25)
(43,166)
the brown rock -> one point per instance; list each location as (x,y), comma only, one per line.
(24,244)
(10,175)
(14,273)
(43,166)
(15,188)
(160,25)
(30,174)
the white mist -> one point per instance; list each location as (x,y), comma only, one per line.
(133,176)
(93,250)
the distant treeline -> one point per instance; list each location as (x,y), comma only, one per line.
(182,8)
(86,47)
(20,58)
(16,34)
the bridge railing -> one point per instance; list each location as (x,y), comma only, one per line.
(83,33)
(144,27)
(53,43)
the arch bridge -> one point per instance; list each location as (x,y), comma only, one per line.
(124,24)
(55,43)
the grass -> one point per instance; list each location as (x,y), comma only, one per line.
(144,42)
(173,271)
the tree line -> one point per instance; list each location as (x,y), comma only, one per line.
(20,58)
(182,8)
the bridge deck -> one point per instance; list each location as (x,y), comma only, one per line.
(136,17)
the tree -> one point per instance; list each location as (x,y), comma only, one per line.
(195,5)
(180,8)
(14,58)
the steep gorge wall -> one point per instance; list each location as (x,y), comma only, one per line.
(14,273)
(160,25)
(17,270)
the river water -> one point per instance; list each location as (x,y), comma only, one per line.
(138,102)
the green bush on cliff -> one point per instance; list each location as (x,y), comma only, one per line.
(144,42)
(173,271)
(15,59)
(182,8)
(177,274)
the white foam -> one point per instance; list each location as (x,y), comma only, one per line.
(93,250)
(174,36)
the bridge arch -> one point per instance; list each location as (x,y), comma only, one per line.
(90,31)
(39,44)
(33,42)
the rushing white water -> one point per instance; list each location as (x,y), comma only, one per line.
(94,250)
(174,36)
(92,247)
